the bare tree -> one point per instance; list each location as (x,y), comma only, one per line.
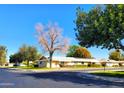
(51,39)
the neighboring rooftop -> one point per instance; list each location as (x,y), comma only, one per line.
(73,59)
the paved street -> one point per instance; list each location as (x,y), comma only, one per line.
(16,79)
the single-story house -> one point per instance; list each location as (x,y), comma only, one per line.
(57,62)
(65,61)
(111,62)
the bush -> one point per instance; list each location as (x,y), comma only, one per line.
(35,65)
(24,62)
(61,65)
(95,65)
(89,65)
(120,64)
(80,66)
(103,64)
(15,65)
(7,64)
(115,66)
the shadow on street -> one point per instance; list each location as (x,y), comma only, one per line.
(73,78)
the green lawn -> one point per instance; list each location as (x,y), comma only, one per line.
(45,68)
(79,67)
(48,69)
(32,68)
(119,74)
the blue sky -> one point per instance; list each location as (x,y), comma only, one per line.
(17,24)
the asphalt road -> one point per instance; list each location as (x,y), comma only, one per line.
(15,79)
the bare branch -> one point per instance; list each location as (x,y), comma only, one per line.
(50,38)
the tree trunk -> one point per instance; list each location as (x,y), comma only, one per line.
(27,63)
(50,59)
(104,68)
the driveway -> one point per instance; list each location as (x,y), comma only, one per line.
(17,79)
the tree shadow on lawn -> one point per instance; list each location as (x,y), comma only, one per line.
(74,78)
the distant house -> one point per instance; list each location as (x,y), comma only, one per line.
(42,62)
(65,61)
(111,62)
(58,62)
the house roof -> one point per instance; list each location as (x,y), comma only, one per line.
(72,59)
(110,61)
(43,58)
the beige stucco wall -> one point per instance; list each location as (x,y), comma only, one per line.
(112,64)
(54,64)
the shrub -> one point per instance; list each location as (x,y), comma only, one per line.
(80,66)
(35,65)
(120,64)
(95,65)
(89,65)
(7,64)
(61,65)
(16,64)
(115,66)
(103,64)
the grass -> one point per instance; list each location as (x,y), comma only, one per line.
(47,69)
(52,69)
(119,74)
(32,68)
(76,67)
